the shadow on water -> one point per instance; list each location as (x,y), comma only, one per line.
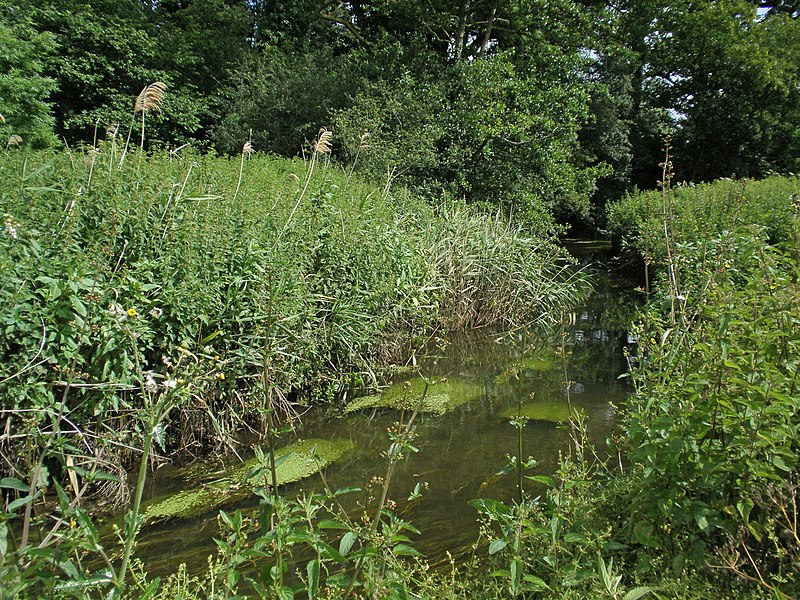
(461,452)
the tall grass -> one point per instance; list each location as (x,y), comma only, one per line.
(215,256)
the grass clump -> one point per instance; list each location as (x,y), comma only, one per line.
(342,279)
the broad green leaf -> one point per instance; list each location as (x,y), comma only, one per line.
(312,570)
(13,483)
(346,543)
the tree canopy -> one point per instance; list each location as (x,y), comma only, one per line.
(555,103)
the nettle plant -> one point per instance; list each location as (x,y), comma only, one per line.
(714,424)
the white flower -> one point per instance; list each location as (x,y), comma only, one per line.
(119,313)
(170,384)
(156,312)
(149,383)
(11,227)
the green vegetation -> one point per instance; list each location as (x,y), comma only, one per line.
(436,397)
(157,295)
(294,463)
(153,302)
(712,427)
(521,104)
(558,412)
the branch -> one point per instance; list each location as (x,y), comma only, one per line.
(327,16)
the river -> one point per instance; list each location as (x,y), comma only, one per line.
(461,452)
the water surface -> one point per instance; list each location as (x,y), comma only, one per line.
(460,453)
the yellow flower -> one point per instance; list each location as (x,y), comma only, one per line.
(132,312)
(221,375)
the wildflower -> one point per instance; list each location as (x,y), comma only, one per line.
(149,383)
(220,376)
(170,384)
(11,227)
(118,312)
(132,312)
(156,312)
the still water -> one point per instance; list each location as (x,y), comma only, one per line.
(461,452)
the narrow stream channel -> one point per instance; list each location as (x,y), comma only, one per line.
(461,452)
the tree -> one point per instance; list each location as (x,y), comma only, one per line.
(24,90)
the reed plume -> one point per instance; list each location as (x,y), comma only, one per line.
(247,150)
(322,145)
(149,99)
(14,140)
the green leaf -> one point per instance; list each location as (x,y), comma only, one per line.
(332,524)
(781,464)
(544,480)
(575,538)
(3,539)
(19,502)
(346,544)
(637,593)
(405,550)
(99,579)
(78,306)
(537,584)
(312,569)
(496,546)
(13,483)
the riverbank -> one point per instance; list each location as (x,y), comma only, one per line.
(167,303)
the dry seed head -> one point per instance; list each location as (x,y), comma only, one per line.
(14,140)
(2,119)
(363,144)
(323,143)
(247,148)
(151,97)
(112,130)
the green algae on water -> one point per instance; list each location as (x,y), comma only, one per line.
(443,395)
(296,461)
(524,369)
(557,412)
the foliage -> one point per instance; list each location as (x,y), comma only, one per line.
(24,90)
(713,424)
(340,279)
(704,210)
